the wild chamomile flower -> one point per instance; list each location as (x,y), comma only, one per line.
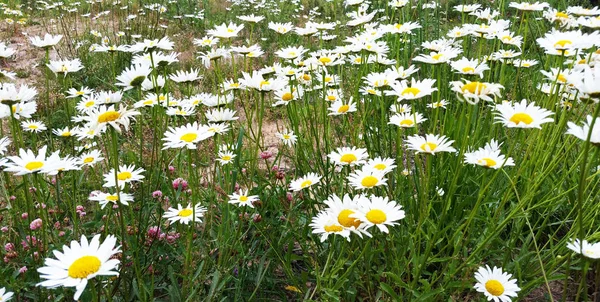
(79,263)
(495,284)
(186,136)
(225,157)
(304,182)
(185,215)
(583,132)
(430,143)
(590,250)
(415,90)
(348,156)
(367,178)
(287,137)
(105,198)
(241,198)
(522,115)
(339,107)
(380,212)
(472,92)
(326,223)
(489,157)
(125,175)
(407,119)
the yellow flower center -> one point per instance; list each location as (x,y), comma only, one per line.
(506,38)
(437,56)
(112,197)
(286,136)
(334,228)
(348,158)
(331,98)
(325,60)
(124,175)
(188,137)
(343,109)
(108,116)
(287,96)
(306,77)
(411,90)
(264,83)
(561,78)
(563,44)
(428,146)
(34,165)
(32,126)
(306,183)
(185,213)
(226,157)
(84,267)
(486,161)
(380,167)
(468,70)
(474,87)
(407,123)
(347,221)
(369,181)
(521,117)
(562,15)
(88,160)
(494,287)
(376,216)
(66,133)
(243,198)
(398,26)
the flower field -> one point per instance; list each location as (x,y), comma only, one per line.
(303,150)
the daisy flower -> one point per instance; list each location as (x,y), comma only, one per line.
(65,132)
(65,66)
(489,156)
(287,137)
(241,198)
(79,263)
(340,108)
(384,165)
(522,115)
(416,89)
(27,162)
(583,132)
(4,143)
(185,214)
(33,126)
(442,56)
(407,119)
(343,209)
(220,115)
(133,76)
(495,284)
(90,158)
(48,40)
(440,104)
(125,175)
(380,212)
(186,136)
(5,295)
(430,143)
(469,67)
(225,157)
(349,156)
(367,178)
(472,92)
(105,198)
(103,116)
(526,6)
(225,31)
(290,53)
(590,250)
(305,181)
(325,223)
